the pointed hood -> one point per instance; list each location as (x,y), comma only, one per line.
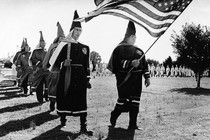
(26,42)
(41,37)
(75,23)
(60,31)
(131,30)
(23,44)
(41,43)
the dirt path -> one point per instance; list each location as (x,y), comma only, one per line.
(171,109)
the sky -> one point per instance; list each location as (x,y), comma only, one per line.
(25,18)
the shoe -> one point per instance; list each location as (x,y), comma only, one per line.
(134,128)
(41,102)
(25,95)
(86,132)
(52,110)
(63,125)
(31,93)
(52,106)
(25,90)
(112,121)
(46,98)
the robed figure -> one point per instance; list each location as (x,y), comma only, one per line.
(125,60)
(72,57)
(26,70)
(39,76)
(15,58)
(53,76)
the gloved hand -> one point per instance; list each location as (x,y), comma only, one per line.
(135,63)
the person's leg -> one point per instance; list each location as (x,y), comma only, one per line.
(30,89)
(114,115)
(30,83)
(39,92)
(83,122)
(25,89)
(25,86)
(63,120)
(46,92)
(133,113)
(83,125)
(52,105)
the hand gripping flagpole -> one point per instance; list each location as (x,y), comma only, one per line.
(129,72)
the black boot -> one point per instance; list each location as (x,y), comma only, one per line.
(46,95)
(52,106)
(83,125)
(25,90)
(39,93)
(63,120)
(133,120)
(114,115)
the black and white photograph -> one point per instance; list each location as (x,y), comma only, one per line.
(104,70)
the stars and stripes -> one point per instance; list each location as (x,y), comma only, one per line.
(153,15)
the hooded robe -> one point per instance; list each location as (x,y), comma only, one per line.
(72,58)
(73,102)
(129,91)
(53,76)
(36,60)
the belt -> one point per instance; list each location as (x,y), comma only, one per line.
(77,65)
(74,65)
(131,71)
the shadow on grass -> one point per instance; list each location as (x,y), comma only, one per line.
(30,122)
(19,107)
(57,134)
(120,134)
(192,91)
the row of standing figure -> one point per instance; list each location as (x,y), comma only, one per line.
(161,71)
(30,75)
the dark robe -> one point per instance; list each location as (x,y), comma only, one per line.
(53,76)
(18,69)
(73,102)
(17,55)
(129,91)
(22,63)
(36,59)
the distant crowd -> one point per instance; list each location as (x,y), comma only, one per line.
(155,71)
(174,71)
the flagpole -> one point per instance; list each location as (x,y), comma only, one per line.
(129,72)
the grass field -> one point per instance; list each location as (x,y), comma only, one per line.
(170,109)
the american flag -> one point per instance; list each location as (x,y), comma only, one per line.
(153,15)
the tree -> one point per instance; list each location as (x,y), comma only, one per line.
(168,62)
(95,58)
(151,61)
(193,48)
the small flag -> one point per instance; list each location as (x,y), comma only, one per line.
(153,15)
